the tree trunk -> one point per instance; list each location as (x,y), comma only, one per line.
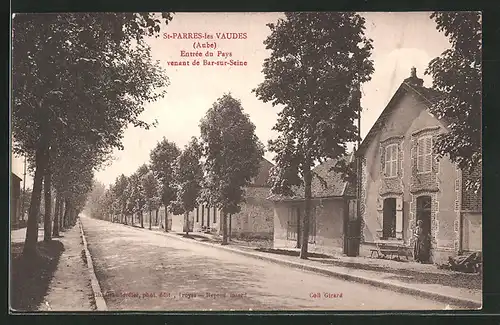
(224,228)
(141,216)
(230,228)
(186,223)
(166,220)
(299,228)
(156,220)
(307,214)
(66,213)
(47,218)
(34,210)
(150,213)
(55,230)
(61,211)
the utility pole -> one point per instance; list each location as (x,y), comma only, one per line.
(358,170)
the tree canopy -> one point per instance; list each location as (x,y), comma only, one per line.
(79,79)
(457,75)
(232,155)
(317,64)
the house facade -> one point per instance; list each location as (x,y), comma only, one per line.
(15,199)
(254,220)
(402,180)
(333,206)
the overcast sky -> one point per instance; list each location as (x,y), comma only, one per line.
(400,40)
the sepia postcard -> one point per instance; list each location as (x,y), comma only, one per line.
(298,161)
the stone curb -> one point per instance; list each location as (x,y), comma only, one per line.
(448,299)
(96,288)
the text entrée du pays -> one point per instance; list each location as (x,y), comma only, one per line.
(209,46)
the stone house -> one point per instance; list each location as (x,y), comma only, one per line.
(402,180)
(333,205)
(254,220)
(15,199)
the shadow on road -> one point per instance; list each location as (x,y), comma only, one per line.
(291,253)
(193,236)
(31,276)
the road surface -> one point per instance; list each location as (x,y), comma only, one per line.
(139,269)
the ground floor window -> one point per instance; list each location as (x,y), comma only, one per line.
(294,225)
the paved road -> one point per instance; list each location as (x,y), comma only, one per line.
(143,270)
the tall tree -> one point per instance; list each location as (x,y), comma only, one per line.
(151,191)
(457,76)
(94,81)
(47,216)
(318,62)
(141,198)
(232,155)
(26,197)
(188,177)
(94,199)
(162,161)
(131,195)
(119,190)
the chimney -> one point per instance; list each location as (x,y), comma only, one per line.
(413,80)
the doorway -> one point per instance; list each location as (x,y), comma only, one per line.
(352,228)
(424,208)
(389,219)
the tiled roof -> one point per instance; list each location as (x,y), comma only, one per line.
(427,95)
(335,185)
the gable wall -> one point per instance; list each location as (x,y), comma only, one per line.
(409,117)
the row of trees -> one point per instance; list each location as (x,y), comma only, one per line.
(79,79)
(213,170)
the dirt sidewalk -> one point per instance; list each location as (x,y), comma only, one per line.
(57,281)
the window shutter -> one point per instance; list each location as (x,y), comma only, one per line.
(428,154)
(387,154)
(395,160)
(382,160)
(394,168)
(399,218)
(420,155)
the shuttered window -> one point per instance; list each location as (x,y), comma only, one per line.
(424,154)
(391,160)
